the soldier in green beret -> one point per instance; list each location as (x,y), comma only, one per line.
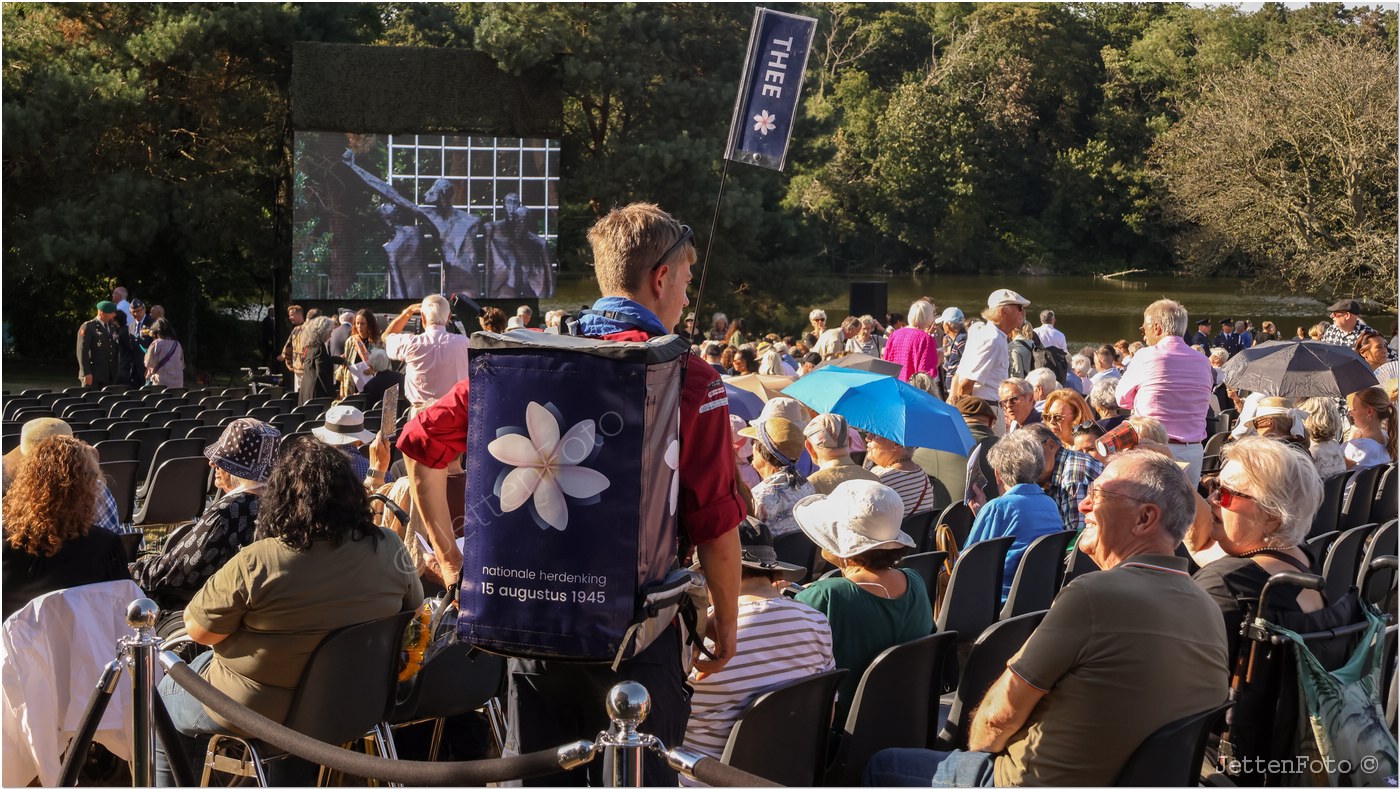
(97,347)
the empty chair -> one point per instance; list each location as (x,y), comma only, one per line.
(132,410)
(87,410)
(891,705)
(1343,558)
(1172,755)
(9,442)
(1356,501)
(32,412)
(364,657)
(986,661)
(264,413)
(213,401)
(782,734)
(121,481)
(37,392)
(104,423)
(205,435)
(90,436)
(176,492)
(973,599)
(1038,576)
(189,411)
(118,449)
(167,450)
(170,403)
(179,428)
(14,404)
(1385,504)
(310,411)
(214,415)
(160,418)
(12,428)
(150,438)
(124,428)
(1329,513)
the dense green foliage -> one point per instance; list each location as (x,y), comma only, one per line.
(148,144)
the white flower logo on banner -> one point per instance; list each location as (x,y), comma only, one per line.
(673,461)
(546,466)
(765,123)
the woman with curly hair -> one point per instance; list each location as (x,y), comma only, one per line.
(317,363)
(317,564)
(364,338)
(49,509)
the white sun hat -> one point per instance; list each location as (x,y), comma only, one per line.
(857,516)
(345,424)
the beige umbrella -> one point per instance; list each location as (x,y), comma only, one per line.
(765,386)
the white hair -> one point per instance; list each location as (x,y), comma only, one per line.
(814,314)
(1082,366)
(1219,356)
(1281,479)
(378,360)
(436,310)
(1156,479)
(922,314)
(1168,314)
(1017,458)
(1042,378)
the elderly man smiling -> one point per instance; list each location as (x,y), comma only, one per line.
(1057,716)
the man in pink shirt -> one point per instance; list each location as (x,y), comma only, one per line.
(1170,382)
(435,360)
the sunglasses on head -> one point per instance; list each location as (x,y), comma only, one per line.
(685,236)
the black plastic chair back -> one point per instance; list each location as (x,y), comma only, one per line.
(1343,559)
(797,548)
(348,685)
(1172,755)
(1038,576)
(167,450)
(151,438)
(180,428)
(117,449)
(926,564)
(124,428)
(973,599)
(782,734)
(176,492)
(1356,503)
(891,705)
(205,435)
(1385,505)
(985,663)
(457,680)
(920,528)
(958,517)
(121,481)
(1377,585)
(90,436)
(1329,513)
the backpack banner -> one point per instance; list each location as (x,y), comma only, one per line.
(570,512)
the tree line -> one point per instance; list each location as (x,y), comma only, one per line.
(149,144)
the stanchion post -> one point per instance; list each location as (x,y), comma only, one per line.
(628,704)
(140,650)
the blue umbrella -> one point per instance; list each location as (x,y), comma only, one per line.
(743,402)
(884,406)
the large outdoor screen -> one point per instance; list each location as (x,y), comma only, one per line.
(401,216)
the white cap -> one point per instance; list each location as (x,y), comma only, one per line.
(857,516)
(1006,296)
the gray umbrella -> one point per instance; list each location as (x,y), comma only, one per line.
(1299,369)
(863,361)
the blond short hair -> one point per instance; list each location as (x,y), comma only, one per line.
(1149,428)
(627,242)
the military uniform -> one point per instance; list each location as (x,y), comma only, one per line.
(97,353)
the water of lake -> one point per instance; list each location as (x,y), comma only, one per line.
(1087,309)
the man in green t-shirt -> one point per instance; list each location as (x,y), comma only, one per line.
(1120,654)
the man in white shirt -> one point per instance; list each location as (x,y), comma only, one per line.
(1048,334)
(435,360)
(986,360)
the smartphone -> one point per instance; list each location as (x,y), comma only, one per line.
(390,414)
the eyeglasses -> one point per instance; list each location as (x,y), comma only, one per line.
(1007,403)
(1055,419)
(1096,494)
(1227,496)
(685,236)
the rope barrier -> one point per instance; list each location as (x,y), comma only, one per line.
(478,773)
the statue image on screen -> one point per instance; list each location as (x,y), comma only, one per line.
(518,263)
(409,273)
(456,229)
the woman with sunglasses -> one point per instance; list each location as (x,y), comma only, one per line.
(1065,410)
(1268,493)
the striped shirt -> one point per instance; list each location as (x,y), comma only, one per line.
(780,640)
(912,487)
